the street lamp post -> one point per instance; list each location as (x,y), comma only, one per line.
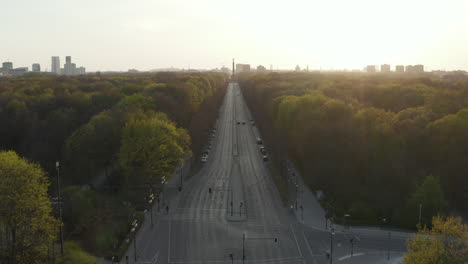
(326,219)
(240,209)
(181,178)
(243,247)
(296,185)
(302,213)
(150,202)
(133,230)
(384,221)
(134,246)
(332,232)
(420,209)
(388,246)
(345,222)
(57,166)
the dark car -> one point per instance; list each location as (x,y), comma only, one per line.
(259,141)
(265,158)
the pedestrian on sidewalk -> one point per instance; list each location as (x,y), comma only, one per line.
(167,209)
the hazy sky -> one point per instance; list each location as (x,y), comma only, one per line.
(149,34)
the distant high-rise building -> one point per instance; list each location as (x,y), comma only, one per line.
(385,68)
(225,70)
(80,70)
(399,68)
(418,68)
(18,71)
(370,68)
(55,65)
(36,67)
(261,68)
(69,68)
(242,68)
(409,68)
(7,65)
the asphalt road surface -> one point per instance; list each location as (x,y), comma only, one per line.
(210,227)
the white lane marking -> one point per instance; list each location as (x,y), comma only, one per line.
(274,260)
(169,244)
(201,209)
(308,247)
(155,259)
(297,243)
(200,261)
(349,256)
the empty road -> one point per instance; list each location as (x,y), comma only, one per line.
(208,227)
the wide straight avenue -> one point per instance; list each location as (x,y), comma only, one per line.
(231,209)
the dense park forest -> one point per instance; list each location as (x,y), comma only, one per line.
(378,146)
(115,137)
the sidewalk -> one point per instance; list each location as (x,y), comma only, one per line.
(313,215)
(147,233)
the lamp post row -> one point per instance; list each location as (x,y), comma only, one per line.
(57,166)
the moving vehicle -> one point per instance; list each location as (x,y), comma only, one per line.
(204,158)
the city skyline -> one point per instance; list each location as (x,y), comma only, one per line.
(120,35)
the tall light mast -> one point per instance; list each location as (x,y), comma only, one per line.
(233,69)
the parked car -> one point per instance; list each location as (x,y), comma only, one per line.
(238,122)
(263,150)
(265,158)
(243,122)
(259,141)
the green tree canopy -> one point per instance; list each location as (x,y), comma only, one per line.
(445,243)
(431,196)
(151,147)
(28,228)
